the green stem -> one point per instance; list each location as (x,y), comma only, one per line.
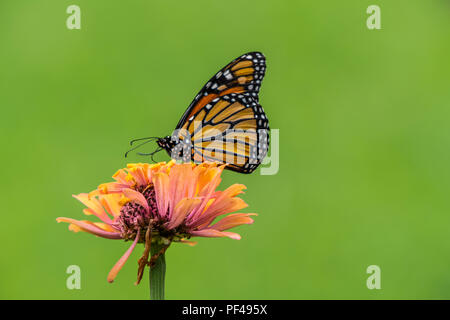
(157,274)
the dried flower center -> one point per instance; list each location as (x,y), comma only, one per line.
(133,216)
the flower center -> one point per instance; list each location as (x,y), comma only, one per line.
(133,216)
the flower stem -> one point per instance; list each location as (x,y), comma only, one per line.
(157,273)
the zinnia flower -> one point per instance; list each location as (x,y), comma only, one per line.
(160,204)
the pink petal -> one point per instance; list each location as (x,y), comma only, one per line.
(121,177)
(161,184)
(178,181)
(119,264)
(212,233)
(91,228)
(191,186)
(225,206)
(207,193)
(137,197)
(224,196)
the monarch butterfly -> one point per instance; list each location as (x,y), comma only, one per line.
(225,122)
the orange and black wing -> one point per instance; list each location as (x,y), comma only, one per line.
(231,129)
(242,75)
(225,122)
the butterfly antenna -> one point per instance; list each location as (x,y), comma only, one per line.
(151,154)
(140,139)
(149,139)
(156,151)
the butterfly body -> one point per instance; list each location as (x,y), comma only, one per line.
(174,148)
(225,122)
(166,143)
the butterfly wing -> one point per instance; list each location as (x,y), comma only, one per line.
(243,74)
(225,122)
(231,129)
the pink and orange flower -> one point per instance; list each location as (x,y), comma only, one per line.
(161,203)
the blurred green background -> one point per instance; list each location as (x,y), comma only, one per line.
(364,132)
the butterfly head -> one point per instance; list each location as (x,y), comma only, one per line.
(177,148)
(166,143)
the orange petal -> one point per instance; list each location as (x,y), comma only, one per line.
(180,177)
(233,220)
(182,209)
(111,203)
(110,187)
(94,205)
(230,192)
(209,179)
(234,190)
(207,193)
(188,242)
(105,227)
(138,175)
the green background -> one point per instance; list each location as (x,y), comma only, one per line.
(364,132)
